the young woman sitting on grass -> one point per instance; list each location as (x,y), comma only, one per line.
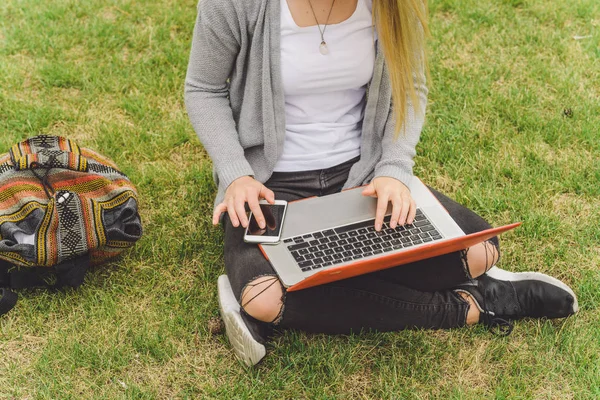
(299,98)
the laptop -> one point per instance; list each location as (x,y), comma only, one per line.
(329,238)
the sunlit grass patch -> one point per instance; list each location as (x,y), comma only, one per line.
(512,132)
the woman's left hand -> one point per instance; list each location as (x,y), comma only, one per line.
(387,190)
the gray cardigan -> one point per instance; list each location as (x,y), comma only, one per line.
(235,101)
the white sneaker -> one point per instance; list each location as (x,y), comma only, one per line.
(246,348)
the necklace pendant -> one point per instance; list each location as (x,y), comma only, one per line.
(323,48)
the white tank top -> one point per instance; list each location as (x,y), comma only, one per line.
(324,94)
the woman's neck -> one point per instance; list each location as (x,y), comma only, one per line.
(303,14)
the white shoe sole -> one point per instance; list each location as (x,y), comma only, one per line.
(245,347)
(504,275)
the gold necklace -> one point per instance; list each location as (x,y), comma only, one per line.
(323,46)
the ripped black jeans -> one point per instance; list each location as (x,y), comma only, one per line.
(416,295)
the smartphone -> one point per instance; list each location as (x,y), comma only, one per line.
(274,215)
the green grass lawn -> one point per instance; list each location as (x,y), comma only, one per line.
(110,75)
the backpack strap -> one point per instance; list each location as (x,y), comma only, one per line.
(8,300)
(4,274)
(30,277)
(70,273)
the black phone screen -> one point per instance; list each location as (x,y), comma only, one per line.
(273,214)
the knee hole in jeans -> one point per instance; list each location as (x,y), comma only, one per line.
(480,258)
(262,299)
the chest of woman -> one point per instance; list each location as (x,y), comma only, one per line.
(337,54)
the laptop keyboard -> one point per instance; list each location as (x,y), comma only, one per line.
(359,240)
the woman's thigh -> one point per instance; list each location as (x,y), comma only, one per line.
(465,218)
(244,262)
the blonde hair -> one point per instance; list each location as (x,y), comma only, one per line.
(402,29)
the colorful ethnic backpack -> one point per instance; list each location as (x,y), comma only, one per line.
(62,209)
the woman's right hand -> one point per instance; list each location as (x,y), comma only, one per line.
(241,191)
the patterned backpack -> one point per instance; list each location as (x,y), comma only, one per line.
(62,209)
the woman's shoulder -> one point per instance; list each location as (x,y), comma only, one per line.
(243,6)
(244,12)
